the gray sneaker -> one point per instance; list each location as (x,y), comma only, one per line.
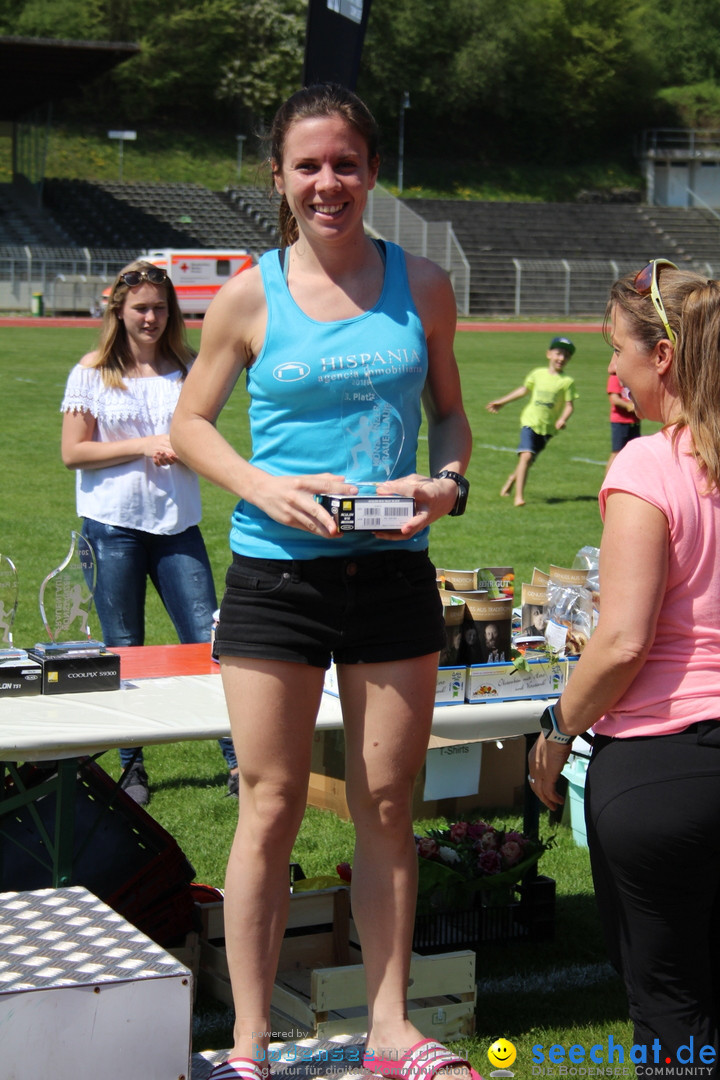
(135,784)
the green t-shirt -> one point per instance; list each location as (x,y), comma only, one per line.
(548,395)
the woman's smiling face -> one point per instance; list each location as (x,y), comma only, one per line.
(325,174)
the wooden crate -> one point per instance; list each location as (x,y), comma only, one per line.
(188,953)
(320,986)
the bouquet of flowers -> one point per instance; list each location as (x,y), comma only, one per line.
(470,856)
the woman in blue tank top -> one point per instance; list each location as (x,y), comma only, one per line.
(341,339)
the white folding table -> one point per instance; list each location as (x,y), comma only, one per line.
(171,694)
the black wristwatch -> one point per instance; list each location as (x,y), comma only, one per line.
(550,728)
(463,487)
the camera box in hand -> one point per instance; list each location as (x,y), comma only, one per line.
(368,513)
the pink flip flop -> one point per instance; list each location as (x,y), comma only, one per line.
(240,1069)
(421,1062)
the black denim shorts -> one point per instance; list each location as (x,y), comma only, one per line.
(362,610)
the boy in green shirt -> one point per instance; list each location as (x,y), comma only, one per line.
(550,407)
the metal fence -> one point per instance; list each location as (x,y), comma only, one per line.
(391,219)
(565,287)
(573,287)
(680,142)
(53,280)
(72,280)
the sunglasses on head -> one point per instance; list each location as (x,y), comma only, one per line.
(154,274)
(646,282)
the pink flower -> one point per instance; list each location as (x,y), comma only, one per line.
(487,842)
(489,862)
(458,831)
(477,828)
(511,853)
(517,837)
(426,847)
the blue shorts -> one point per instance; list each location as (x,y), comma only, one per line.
(363,610)
(621,434)
(531,442)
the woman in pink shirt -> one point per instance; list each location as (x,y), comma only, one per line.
(648,682)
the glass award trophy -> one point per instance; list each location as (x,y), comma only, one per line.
(8,608)
(66,599)
(374,436)
(19,674)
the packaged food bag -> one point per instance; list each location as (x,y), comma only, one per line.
(569,611)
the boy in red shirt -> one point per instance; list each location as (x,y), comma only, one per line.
(624,424)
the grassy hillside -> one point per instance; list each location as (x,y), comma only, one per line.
(210,159)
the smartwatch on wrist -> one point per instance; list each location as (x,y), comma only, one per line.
(550,728)
(463,487)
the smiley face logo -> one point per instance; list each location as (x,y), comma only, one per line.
(502,1054)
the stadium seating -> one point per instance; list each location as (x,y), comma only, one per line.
(492,234)
(134,217)
(22,223)
(113,214)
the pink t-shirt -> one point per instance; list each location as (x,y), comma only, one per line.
(680,680)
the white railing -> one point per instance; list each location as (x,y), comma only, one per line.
(390,219)
(508,288)
(30,271)
(565,287)
(680,142)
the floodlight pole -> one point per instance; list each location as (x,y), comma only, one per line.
(121,136)
(240,140)
(404,104)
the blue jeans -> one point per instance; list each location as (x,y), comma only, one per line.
(178,567)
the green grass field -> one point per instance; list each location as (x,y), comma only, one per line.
(37,508)
(552,992)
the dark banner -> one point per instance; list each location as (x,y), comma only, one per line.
(335,35)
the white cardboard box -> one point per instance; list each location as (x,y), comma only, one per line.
(84,994)
(450,684)
(450,688)
(504,682)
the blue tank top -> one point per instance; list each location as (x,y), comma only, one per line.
(341,397)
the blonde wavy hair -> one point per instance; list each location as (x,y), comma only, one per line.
(113,356)
(692,306)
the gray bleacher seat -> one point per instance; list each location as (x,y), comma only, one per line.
(492,234)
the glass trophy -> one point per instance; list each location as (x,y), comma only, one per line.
(8,608)
(66,599)
(374,436)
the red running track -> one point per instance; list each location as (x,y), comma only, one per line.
(542,327)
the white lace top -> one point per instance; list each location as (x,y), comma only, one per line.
(161,499)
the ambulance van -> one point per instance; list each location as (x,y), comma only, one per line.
(196,273)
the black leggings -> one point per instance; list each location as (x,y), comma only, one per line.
(652,807)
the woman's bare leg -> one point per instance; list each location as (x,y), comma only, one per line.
(272,707)
(388,715)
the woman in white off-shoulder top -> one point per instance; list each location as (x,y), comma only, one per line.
(140,504)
